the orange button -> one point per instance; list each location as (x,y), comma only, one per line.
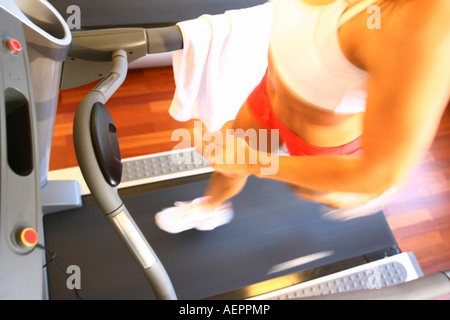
(14,45)
(29,237)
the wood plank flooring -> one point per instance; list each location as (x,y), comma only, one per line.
(419,217)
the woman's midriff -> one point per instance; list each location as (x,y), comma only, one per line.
(316,126)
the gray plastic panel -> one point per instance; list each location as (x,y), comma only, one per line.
(389,274)
(386,272)
(21,275)
(160,165)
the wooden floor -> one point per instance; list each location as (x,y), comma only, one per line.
(419,217)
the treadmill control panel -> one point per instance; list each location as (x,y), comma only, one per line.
(22,275)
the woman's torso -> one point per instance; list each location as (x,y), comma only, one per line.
(314,124)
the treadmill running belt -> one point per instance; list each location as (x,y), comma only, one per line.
(271,227)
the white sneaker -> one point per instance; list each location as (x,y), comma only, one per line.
(192,215)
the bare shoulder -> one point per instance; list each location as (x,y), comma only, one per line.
(416,18)
(410,30)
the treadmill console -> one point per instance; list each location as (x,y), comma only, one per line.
(20,210)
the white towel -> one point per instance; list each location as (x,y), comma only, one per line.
(223,59)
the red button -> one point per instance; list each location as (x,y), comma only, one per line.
(29,237)
(14,45)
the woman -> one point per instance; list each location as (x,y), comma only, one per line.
(356,106)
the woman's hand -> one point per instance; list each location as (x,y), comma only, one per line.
(227,153)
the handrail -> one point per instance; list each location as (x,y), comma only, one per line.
(105,193)
(89,57)
(98,45)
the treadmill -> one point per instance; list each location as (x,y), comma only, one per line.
(96,235)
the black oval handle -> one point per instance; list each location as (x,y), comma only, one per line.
(106,144)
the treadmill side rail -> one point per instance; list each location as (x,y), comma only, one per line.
(134,239)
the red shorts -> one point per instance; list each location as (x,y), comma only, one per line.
(261,111)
